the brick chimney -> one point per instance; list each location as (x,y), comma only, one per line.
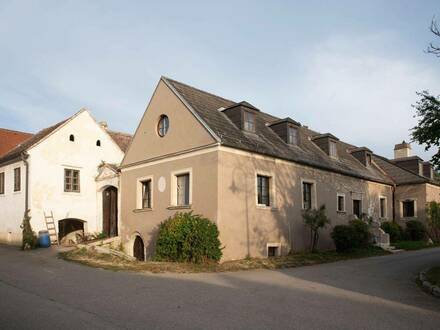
(402,150)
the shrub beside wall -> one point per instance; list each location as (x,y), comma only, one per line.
(415,230)
(352,236)
(186,237)
(394,230)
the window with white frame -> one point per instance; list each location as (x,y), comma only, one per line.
(307,188)
(292,135)
(332,149)
(263,190)
(2,183)
(146,194)
(340,203)
(182,189)
(382,207)
(249,121)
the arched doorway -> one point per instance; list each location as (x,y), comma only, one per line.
(110,211)
(66,226)
(138,249)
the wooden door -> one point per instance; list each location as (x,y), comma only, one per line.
(110,211)
(138,249)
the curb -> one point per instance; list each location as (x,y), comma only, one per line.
(427,286)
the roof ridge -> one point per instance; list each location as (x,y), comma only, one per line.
(198,89)
(15,131)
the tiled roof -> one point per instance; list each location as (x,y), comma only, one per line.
(9,139)
(399,175)
(265,141)
(122,139)
(15,153)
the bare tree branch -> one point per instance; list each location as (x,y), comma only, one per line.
(434,49)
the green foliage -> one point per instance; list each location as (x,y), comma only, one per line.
(394,230)
(315,220)
(413,245)
(188,238)
(427,131)
(353,236)
(100,235)
(415,230)
(433,221)
(29,240)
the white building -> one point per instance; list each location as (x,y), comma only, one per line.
(68,169)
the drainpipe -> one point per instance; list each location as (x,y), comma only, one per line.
(24,158)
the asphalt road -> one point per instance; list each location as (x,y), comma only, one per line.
(37,290)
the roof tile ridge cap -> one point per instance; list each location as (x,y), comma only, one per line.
(15,131)
(198,89)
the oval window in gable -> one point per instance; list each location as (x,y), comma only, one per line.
(163,125)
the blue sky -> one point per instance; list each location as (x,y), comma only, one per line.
(346,67)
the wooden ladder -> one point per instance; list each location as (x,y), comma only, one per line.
(51,228)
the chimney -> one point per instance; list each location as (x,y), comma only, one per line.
(103,124)
(402,150)
(427,170)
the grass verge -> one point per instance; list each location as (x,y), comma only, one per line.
(413,245)
(91,258)
(433,276)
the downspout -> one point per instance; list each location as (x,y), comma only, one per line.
(24,158)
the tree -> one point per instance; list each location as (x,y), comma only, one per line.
(315,220)
(427,130)
(433,221)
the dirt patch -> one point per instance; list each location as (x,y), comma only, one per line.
(106,261)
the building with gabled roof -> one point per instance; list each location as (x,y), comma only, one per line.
(9,139)
(59,171)
(251,173)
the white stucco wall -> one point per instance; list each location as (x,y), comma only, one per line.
(47,161)
(12,205)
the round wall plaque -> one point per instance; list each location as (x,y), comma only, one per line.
(161,184)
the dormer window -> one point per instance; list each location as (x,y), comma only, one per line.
(292,135)
(249,121)
(71,138)
(332,150)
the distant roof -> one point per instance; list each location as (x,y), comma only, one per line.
(266,141)
(9,139)
(15,153)
(121,139)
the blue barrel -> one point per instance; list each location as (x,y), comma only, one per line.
(43,238)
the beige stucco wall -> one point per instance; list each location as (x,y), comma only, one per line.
(247,228)
(184,133)
(203,191)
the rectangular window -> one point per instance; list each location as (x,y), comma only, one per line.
(332,150)
(272,251)
(357,208)
(383,207)
(146,194)
(182,189)
(341,203)
(263,189)
(292,135)
(2,183)
(307,195)
(17,179)
(249,121)
(408,209)
(71,180)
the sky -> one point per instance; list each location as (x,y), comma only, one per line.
(351,68)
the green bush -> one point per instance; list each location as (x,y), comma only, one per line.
(394,230)
(29,239)
(188,238)
(352,236)
(415,230)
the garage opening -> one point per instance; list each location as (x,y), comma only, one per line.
(138,249)
(67,226)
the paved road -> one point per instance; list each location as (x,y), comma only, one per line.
(37,290)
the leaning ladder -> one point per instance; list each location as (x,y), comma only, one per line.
(51,227)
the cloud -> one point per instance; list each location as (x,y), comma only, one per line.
(355,89)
